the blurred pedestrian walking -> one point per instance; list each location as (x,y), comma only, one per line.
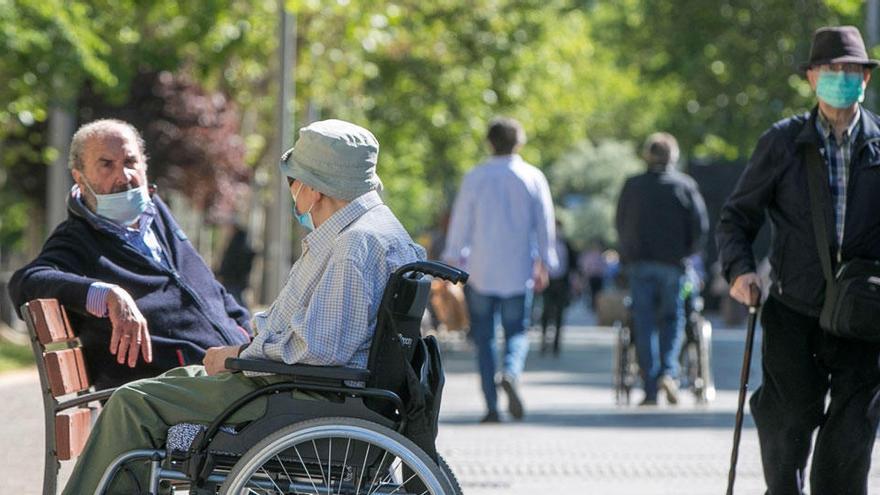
(815,177)
(235,267)
(558,294)
(502,231)
(661,220)
(592,265)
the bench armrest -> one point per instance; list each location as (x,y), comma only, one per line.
(80,400)
(299,370)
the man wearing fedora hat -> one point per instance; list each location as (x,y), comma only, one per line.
(325,315)
(803,365)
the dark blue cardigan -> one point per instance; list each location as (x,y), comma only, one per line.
(186,309)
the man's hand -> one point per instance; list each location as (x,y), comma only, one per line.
(741,288)
(540,277)
(215,358)
(130,335)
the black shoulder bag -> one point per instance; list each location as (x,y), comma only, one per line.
(851,309)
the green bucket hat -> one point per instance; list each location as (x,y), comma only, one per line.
(336,158)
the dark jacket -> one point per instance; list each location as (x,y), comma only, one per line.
(661,218)
(186,310)
(774,184)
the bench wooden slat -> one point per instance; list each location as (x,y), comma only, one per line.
(71,432)
(50,321)
(66,370)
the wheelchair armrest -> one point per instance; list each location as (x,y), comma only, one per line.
(299,370)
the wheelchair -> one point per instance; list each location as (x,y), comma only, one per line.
(372,439)
(695,357)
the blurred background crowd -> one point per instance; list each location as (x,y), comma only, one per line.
(205,81)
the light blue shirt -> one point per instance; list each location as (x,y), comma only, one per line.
(502,222)
(326,312)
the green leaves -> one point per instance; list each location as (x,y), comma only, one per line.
(426,77)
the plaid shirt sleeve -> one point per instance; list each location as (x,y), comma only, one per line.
(331,329)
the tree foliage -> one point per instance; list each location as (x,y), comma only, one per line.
(736,61)
(585,183)
(424,76)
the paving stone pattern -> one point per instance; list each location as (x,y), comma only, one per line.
(574,439)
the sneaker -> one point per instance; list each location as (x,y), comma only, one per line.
(648,402)
(491,417)
(670,387)
(514,403)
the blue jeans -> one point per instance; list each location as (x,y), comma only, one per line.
(658,320)
(514,311)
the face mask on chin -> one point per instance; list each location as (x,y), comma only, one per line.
(123,207)
(840,89)
(306,218)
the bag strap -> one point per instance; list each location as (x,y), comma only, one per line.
(814,181)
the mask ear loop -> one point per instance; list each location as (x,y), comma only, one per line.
(296,194)
(88,185)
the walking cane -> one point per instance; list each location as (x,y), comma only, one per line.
(755,303)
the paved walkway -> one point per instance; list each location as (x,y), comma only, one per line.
(576,440)
(573,440)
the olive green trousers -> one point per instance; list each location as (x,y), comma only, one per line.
(138,416)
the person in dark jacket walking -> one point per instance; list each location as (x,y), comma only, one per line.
(802,364)
(141,298)
(661,221)
(557,296)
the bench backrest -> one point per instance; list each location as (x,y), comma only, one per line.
(62,372)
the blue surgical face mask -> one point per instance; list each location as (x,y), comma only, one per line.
(306,218)
(123,207)
(840,89)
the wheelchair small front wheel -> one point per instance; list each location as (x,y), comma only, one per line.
(336,455)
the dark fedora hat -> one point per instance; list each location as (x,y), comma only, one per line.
(838,45)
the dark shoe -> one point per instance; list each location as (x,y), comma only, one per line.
(491,417)
(514,403)
(670,387)
(648,402)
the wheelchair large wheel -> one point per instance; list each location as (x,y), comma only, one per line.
(696,360)
(625,365)
(340,456)
(705,385)
(451,480)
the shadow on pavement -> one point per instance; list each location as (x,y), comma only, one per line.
(620,418)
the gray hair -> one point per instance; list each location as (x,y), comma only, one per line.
(660,149)
(96,128)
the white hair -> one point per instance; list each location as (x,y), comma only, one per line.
(96,128)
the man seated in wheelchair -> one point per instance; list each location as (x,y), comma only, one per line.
(325,314)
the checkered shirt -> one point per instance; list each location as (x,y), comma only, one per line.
(838,157)
(326,312)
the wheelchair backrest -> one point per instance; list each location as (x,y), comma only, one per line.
(398,326)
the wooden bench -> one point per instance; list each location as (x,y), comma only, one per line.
(67,392)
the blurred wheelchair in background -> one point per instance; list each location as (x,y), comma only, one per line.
(613,309)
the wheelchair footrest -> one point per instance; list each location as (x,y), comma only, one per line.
(181,436)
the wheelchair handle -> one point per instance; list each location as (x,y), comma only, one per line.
(435,269)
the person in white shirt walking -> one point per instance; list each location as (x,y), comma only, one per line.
(502,232)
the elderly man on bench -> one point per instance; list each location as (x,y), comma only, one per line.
(140,296)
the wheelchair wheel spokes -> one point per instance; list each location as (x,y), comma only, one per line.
(336,456)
